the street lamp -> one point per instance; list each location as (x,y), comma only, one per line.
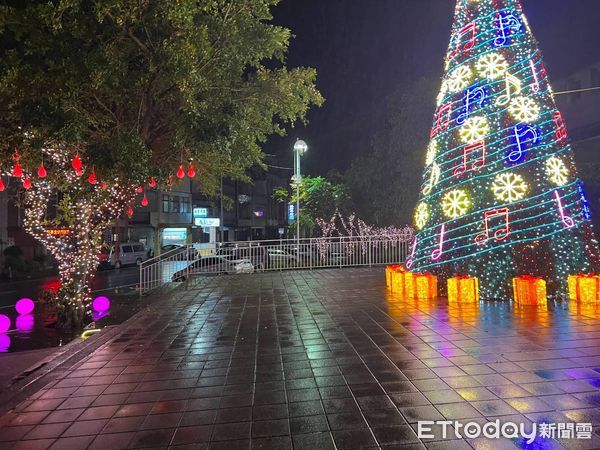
(300,149)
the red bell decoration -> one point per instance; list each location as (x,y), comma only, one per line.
(152,183)
(76,164)
(170,181)
(130,211)
(191,171)
(103,185)
(17,170)
(2,187)
(145,200)
(180,172)
(26,183)
(140,189)
(42,171)
(92,178)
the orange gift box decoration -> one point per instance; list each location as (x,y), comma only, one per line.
(529,290)
(425,285)
(410,285)
(393,277)
(463,289)
(584,288)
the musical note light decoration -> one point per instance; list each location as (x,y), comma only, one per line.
(500,196)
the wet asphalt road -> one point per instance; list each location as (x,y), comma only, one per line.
(106,282)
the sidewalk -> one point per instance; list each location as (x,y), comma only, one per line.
(317,360)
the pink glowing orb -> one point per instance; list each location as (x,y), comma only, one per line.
(101,304)
(4,343)
(25,322)
(25,306)
(4,323)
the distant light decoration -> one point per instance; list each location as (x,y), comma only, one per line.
(421,215)
(4,343)
(4,323)
(455,203)
(474,129)
(431,152)
(25,306)
(492,66)
(459,78)
(524,109)
(2,186)
(58,231)
(25,322)
(557,171)
(152,183)
(101,304)
(509,187)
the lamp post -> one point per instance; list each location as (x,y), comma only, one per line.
(300,148)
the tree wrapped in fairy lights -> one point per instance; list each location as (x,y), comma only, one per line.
(83,207)
(500,195)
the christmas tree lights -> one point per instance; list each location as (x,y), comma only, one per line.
(500,196)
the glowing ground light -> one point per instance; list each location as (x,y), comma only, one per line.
(25,322)
(4,343)
(25,306)
(509,187)
(455,203)
(101,304)
(524,109)
(492,66)
(557,171)
(474,130)
(4,323)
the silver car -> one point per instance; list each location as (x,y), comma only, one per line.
(130,253)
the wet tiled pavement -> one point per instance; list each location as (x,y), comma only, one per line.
(319,360)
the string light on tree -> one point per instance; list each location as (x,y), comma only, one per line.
(421,215)
(455,203)
(557,171)
(431,152)
(475,129)
(524,109)
(509,187)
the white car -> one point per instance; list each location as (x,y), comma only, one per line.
(214,265)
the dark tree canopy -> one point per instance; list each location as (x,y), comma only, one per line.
(144,85)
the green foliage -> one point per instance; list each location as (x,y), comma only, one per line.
(383,181)
(144,85)
(14,251)
(319,198)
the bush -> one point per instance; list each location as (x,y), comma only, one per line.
(13,251)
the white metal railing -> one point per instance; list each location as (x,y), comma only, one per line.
(284,254)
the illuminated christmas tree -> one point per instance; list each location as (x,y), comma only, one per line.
(500,194)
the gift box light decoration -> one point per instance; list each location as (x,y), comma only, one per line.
(463,289)
(500,189)
(529,290)
(584,288)
(389,272)
(410,285)
(426,285)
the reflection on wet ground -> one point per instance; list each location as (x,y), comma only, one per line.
(321,359)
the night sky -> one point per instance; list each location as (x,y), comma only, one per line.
(364,50)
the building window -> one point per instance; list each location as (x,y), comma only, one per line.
(165,203)
(185,205)
(176,205)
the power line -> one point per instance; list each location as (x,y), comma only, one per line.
(574,91)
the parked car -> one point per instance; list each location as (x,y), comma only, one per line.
(281,258)
(214,265)
(130,253)
(189,253)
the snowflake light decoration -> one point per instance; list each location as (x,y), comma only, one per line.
(455,203)
(421,215)
(434,177)
(474,129)
(431,152)
(459,78)
(492,66)
(509,187)
(524,109)
(557,171)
